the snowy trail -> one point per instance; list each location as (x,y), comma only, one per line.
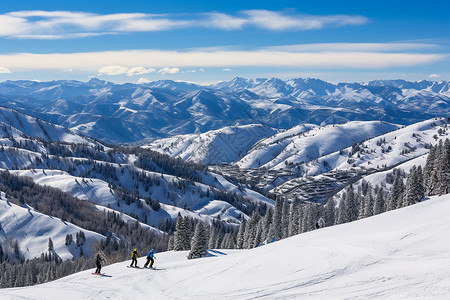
(401,254)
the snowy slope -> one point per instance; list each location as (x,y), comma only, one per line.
(32,230)
(224,145)
(401,254)
(412,139)
(306,143)
(14,123)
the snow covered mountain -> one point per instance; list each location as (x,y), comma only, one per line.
(126,113)
(306,143)
(398,254)
(225,145)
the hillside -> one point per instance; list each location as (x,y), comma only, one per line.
(225,145)
(302,146)
(32,230)
(398,254)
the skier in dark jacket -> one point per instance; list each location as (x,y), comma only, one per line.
(150,258)
(134,256)
(98,262)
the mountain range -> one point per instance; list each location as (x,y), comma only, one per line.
(135,113)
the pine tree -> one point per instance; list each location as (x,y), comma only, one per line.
(187,233)
(240,235)
(259,234)
(199,242)
(293,228)
(352,208)
(362,206)
(170,244)
(277,223)
(212,238)
(395,196)
(179,244)
(268,219)
(330,212)
(285,219)
(414,190)
(342,209)
(50,244)
(429,170)
(379,205)
(368,203)
(443,169)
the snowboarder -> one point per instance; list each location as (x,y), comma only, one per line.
(150,258)
(134,256)
(98,261)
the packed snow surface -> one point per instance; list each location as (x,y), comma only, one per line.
(400,254)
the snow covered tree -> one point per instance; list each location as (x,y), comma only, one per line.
(241,235)
(414,189)
(352,209)
(395,196)
(368,203)
(442,184)
(268,219)
(170,244)
(294,218)
(50,244)
(251,230)
(285,219)
(379,204)
(429,170)
(199,242)
(276,228)
(181,234)
(330,212)
(69,239)
(342,209)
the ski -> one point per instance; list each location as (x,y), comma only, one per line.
(101,274)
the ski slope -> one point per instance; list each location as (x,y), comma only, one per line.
(401,254)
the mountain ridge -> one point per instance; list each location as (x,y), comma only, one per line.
(165,108)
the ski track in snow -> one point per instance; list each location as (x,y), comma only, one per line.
(401,254)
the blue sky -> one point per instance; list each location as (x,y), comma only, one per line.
(209,41)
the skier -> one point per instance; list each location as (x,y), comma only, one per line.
(98,261)
(150,258)
(134,256)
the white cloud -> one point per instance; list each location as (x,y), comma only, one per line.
(201,70)
(139,71)
(68,24)
(143,80)
(113,70)
(169,70)
(4,70)
(434,76)
(120,62)
(377,47)
(224,21)
(272,20)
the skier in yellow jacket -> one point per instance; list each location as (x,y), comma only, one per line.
(134,256)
